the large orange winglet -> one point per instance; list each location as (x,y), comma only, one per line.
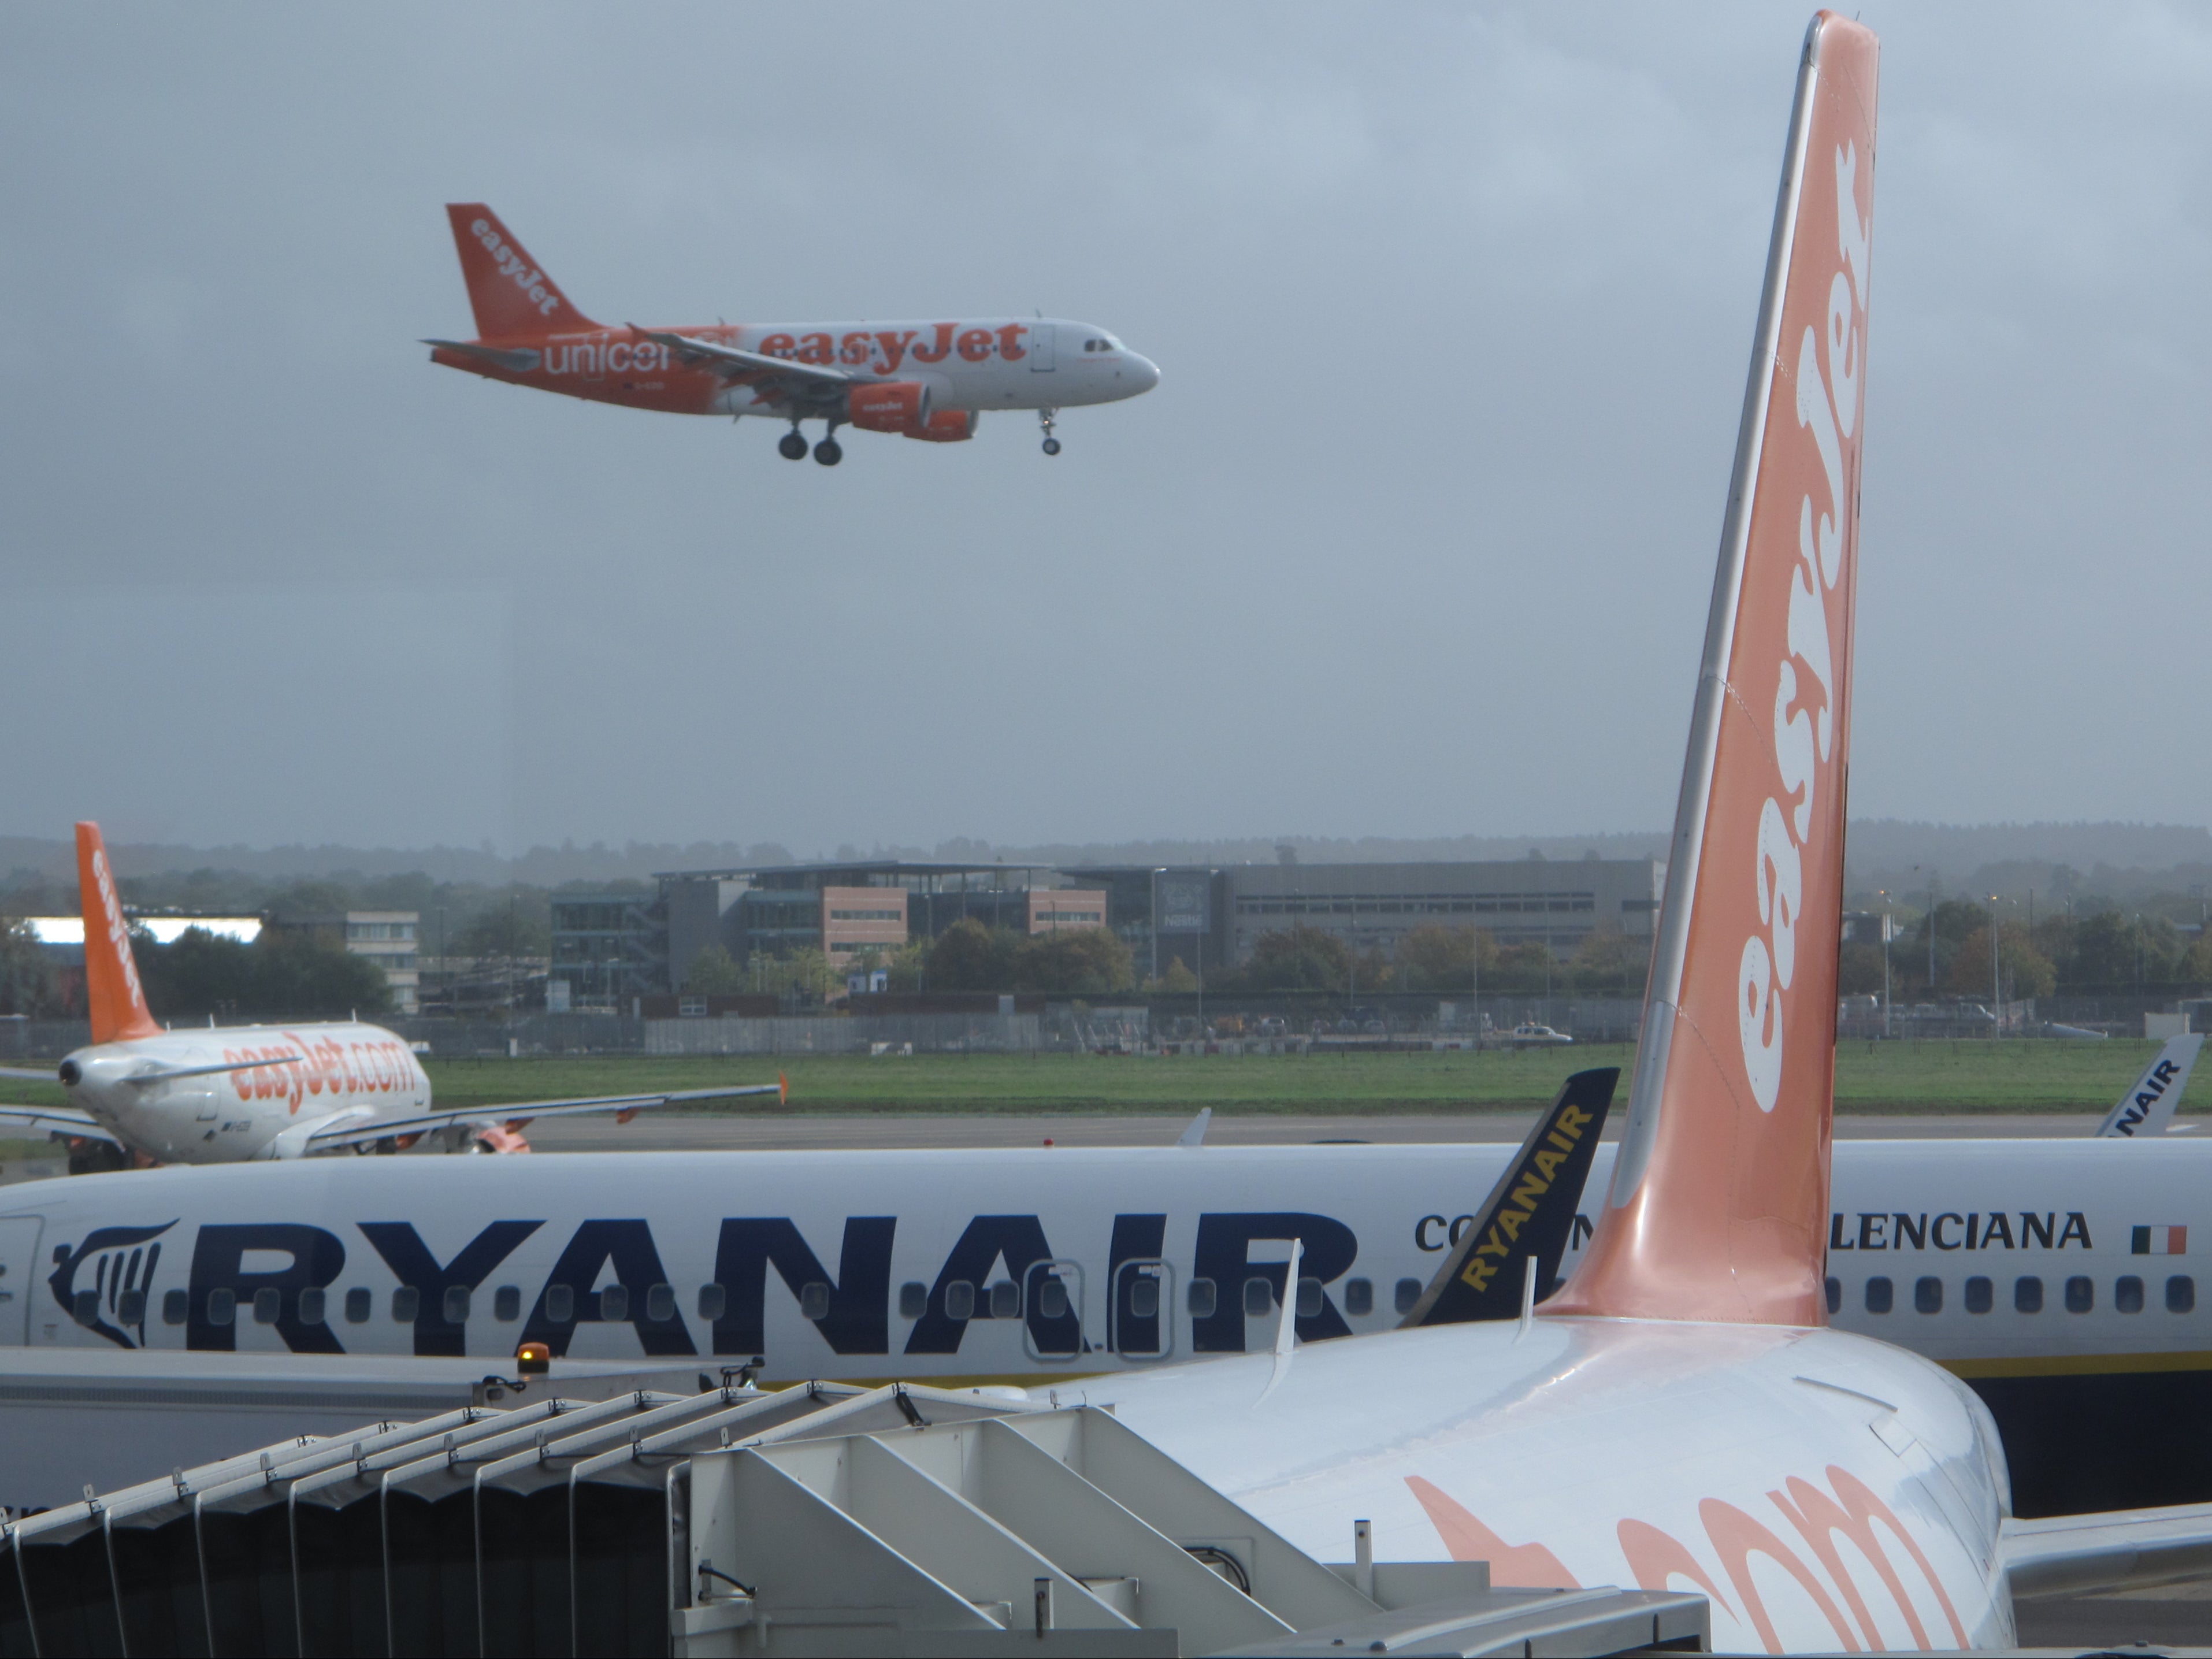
(116,999)
(1719,1195)
(510,293)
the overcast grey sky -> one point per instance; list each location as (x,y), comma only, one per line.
(1452,304)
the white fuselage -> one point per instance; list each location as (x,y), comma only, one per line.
(317,1075)
(1827,1493)
(981,364)
(882,1234)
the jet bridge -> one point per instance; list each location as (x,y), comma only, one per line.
(812,1520)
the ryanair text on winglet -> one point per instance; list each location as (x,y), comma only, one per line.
(1533,1181)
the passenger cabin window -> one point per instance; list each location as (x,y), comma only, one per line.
(506,1303)
(1881,1295)
(2028,1295)
(268,1303)
(130,1306)
(457,1304)
(1981,1295)
(1052,1297)
(1928,1295)
(358,1302)
(2127,1293)
(2181,1294)
(1359,1297)
(914,1299)
(561,1303)
(960,1299)
(660,1303)
(176,1307)
(1407,1292)
(406,1303)
(614,1303)
(221,1306)
(712,1300)
(1258,1297)
(1143,1298)
(814,1301)
(2081,1294)
(84,1307)
(1005,1300)
(1309,1298)
(1198,1297)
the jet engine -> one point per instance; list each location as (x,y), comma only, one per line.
(893,406)
(947,426)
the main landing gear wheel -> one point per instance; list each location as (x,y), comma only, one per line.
(791,446)
(1045,420)
(1052,446)
(829,452)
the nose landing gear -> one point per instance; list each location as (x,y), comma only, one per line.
(1045,420)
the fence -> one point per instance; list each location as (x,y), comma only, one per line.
(921,1033)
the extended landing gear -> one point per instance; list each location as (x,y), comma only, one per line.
(790,445)
(829,452)
(1045,420)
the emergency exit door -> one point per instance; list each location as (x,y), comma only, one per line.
(19,1262)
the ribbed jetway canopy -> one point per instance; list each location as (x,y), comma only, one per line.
(816,1519)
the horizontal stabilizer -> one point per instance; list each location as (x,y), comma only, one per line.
(1529,1215)
(516,359)
(2120,1550)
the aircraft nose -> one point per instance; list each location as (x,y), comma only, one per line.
(1144,371)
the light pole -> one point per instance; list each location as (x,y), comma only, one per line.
(1996,981)
(1886,930)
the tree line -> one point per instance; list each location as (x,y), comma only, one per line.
(2106,952)
(285,974)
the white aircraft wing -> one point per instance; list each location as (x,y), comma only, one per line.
(2120,1549)
(44,1075)
(2145,1111)
(522,1112)
(736,362)
(53,1120)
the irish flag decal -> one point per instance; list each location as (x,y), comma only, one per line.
(2159,1241)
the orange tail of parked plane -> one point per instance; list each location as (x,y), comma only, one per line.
(1723,1215)
(510,292)
(112,990)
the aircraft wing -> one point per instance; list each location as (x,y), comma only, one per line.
(2145,1111)
(2120,1549)
(27,1074)
(1528,1215)
(522,1112)
(54,1120)
(736,363)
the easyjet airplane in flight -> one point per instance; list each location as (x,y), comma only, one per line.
(225,1094)
(927,379)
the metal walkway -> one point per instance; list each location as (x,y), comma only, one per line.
(815,1519)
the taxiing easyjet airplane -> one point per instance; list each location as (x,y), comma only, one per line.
(927,380)
(225,1094)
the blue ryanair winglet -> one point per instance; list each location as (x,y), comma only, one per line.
(1528,1215)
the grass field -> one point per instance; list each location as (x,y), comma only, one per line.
(1895,1077)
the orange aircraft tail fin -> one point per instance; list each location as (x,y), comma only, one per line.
(1719,1205)
(512,295)
(111,991)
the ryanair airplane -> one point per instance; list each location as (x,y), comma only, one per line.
(2055,1276)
